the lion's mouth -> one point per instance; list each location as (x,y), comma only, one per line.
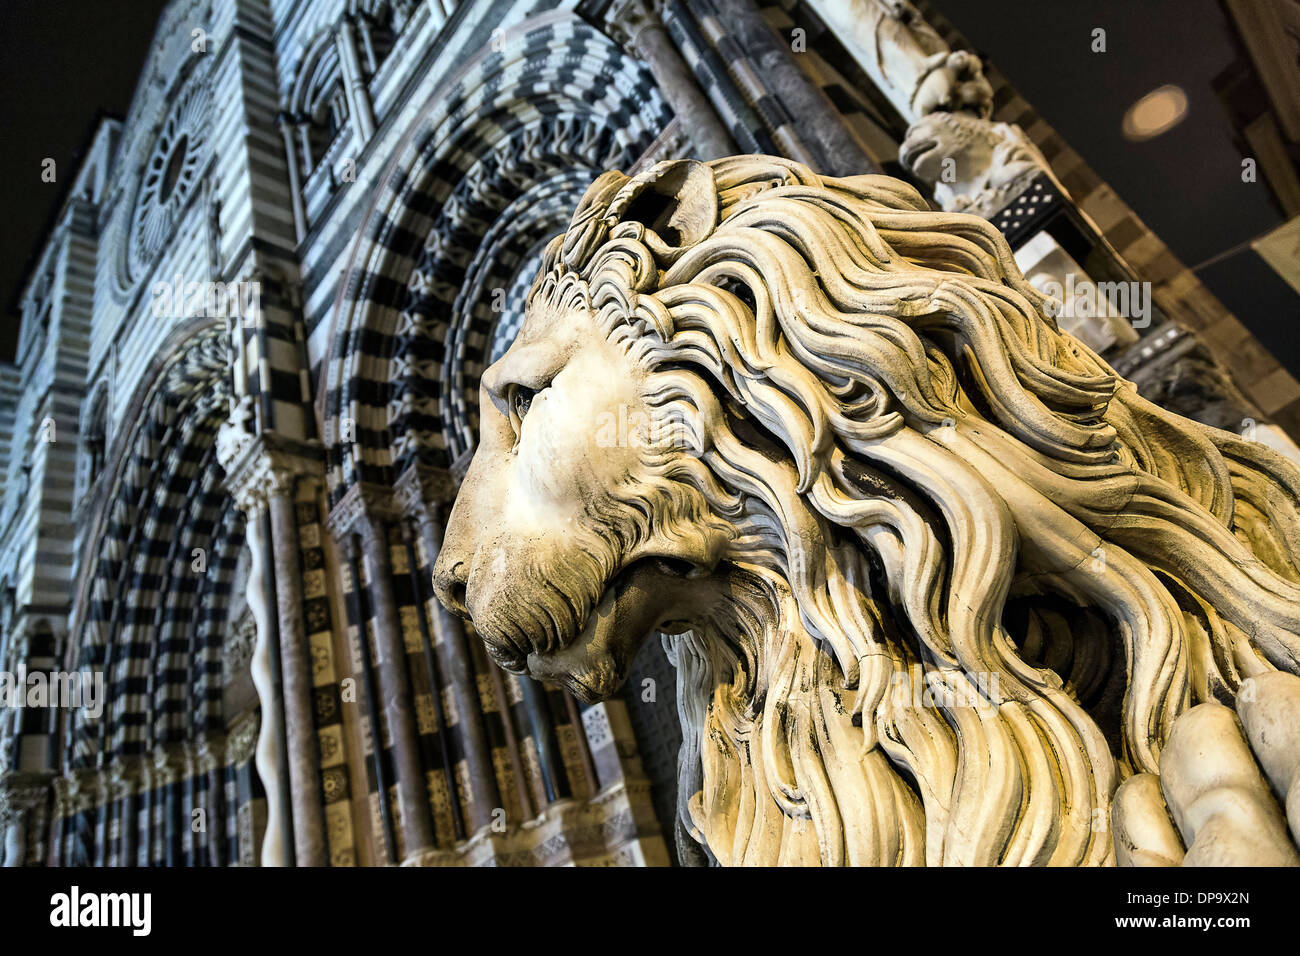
(636,602)
(911,153)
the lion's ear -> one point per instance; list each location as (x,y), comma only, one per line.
(678,199)
(588,229)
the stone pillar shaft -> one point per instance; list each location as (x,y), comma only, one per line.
(354,82)
(649,39)
(819,125)
(351,555)
(412,795)
(268,753)
(458,670)
(295,663)
(262,471)
(295,180)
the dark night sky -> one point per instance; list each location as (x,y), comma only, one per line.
(64,61)
(68,60)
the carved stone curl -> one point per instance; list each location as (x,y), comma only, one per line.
(936,579)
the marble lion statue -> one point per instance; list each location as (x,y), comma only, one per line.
(940,587)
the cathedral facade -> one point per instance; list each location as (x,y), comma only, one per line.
(247,389)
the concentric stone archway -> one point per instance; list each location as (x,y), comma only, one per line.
(156,579)
(489,172)
(485,176)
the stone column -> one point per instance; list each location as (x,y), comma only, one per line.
(295,179)
(295,661)
(168,771)
(240,747)
(818,125)
(20,795)
(192,847)
(354,81)
(235,446)
(210,750)
(303,126)
(144,845)
(125,779)
(636,25)
(555,779)
(83,795)
(59,824)
(261,472)
(366,510)
(421,493)
(351,553)
(104,820)
(390,649)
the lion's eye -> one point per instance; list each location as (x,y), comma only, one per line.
(521,401)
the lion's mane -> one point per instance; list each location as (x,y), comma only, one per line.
(978,575)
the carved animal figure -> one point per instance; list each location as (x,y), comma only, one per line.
(935,580)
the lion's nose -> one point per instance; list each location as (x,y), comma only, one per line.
(449,579)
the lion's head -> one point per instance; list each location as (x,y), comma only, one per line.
(934,578)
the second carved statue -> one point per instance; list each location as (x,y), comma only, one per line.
(940,587)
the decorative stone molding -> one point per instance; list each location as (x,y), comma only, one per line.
(363,504)
(626,20)
(211,752)
(237,648)
(241,738)
(85,790)
(63,796)
(124,777)
(259,466)
(616,827)
(24,798)
(21,792)
(422,486)
(168,765)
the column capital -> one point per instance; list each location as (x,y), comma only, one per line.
(422,487)
(124,777)
(972,164)
(84,789)
(210,749)
(62,796)
(361,509)
(260,466)
(21,792)
(169,763)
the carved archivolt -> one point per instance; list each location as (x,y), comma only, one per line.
(154,576)
(508,204)
(483,182)
(939,579)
